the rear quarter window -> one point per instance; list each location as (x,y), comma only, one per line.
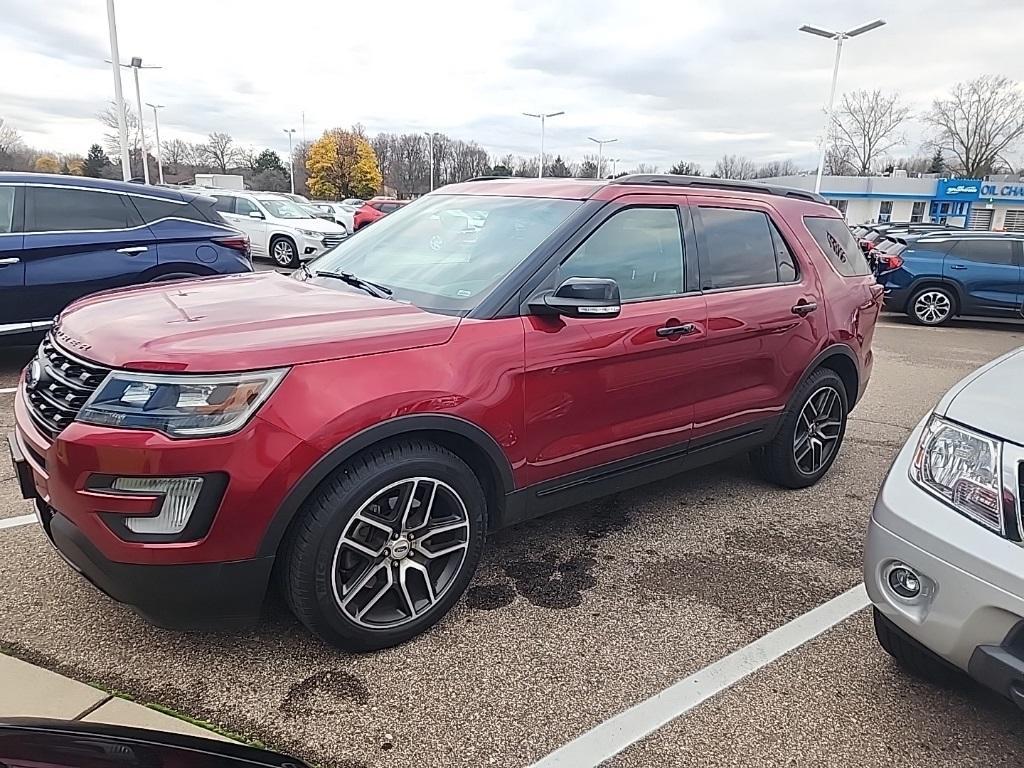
(838,244)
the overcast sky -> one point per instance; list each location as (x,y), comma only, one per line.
(673,79)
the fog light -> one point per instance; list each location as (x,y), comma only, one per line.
(179,499)
(904,582)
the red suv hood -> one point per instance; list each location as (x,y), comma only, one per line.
(244,322)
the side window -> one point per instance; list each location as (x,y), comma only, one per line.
(784,262)
(224,204)
(984,251)
(740,247)
(639,248)
(243,206)
(389,208)
(153,210)
(836,242)
(61,209)
(7,209)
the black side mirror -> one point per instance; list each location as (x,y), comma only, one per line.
(580,297)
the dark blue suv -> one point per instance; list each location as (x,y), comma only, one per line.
(62,237)
(935,276)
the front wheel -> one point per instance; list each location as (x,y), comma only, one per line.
(386,545)
(931,306)
(284,252)
(810,435)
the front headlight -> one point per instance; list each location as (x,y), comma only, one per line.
(962,467)
(180,405)
(315,235)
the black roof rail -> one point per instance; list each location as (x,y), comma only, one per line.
(671,180)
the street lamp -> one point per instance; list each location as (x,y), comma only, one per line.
(122,122)
(135,66)
(156,127)
(615,162)
(543,116)
(291,157)
(600,152)
(430,145)
(838,37)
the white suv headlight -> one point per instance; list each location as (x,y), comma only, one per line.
(963,468)
(180,405)
(309,233)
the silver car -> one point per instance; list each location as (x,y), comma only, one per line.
(944,559)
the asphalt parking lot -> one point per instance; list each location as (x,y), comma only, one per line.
(573,618)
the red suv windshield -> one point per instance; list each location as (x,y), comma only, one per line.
(446,252)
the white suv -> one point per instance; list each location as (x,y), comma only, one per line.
(276,226)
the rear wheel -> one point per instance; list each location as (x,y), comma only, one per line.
(810,435)
(911,656)
(283,252)
(385,546)
(932,306)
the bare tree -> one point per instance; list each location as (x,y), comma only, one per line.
(868,123)
(174,154)
(645,168)
(734,167)
(10,139)
(839,160)
(978,123)
(775,168)
(112,138)
(221,151)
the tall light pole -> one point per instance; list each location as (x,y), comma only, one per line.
(838,37)
(135,66)
(543,117)
(291,157)
(156,128)
(430,149)
(615,162)
(122,122)
(600,152)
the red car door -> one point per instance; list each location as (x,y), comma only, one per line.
(600,390)
(765,319)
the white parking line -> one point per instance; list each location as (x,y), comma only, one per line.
(614,735)
(13,522)
(8,390)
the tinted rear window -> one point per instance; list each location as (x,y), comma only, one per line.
(837,243)
(743,249)
(224,204)
(62,209)
(984,251)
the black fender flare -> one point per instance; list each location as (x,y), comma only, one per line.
(941,281)
(396,427)
(831,351)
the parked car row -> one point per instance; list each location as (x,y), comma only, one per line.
(936,276)
(63,237)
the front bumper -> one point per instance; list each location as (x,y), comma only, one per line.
(973,597)
(190,596)
(217,579)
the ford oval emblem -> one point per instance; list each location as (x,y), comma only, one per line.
(35,373)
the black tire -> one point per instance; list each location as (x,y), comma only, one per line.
(778,462)
(283,252)
(318,544)
(932,306)
(912,656)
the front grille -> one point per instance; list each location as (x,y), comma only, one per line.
(64,384)
(332,241)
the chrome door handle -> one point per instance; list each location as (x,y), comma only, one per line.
(676,330)
(804,308)
(958,266)
(133,250)
(8,262)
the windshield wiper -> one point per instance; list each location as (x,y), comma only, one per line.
(374,289)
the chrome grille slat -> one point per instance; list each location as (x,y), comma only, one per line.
(67,383)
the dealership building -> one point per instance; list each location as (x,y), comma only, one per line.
(994,203)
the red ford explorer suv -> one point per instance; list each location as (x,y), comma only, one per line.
(356,428)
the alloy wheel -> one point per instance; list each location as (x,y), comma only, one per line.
(932,307)
(818,430)
(400,553)
(284,253)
